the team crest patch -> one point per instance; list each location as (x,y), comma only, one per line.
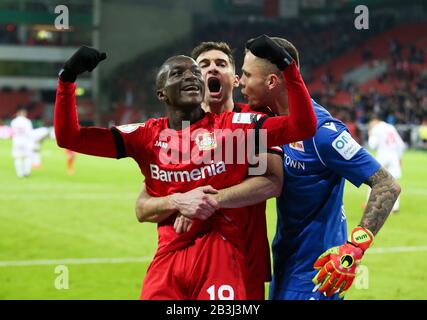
(206,141)
(299,146)
(245,117)
(346,146)
(128,128)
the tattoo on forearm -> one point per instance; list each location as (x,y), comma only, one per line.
(385,191)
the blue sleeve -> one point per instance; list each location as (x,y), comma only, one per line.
(339,152)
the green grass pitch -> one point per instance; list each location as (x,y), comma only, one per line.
(52,216)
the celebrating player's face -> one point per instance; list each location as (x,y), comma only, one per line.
(253,82)
(219,75)
(184,85)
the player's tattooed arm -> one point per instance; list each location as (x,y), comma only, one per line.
(385,191)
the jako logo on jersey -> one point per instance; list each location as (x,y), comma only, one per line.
(346,146)
(299,146)
(186,176)
(289,162)
(206,141)
(161,144)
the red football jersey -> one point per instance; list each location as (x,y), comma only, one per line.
(181,160)
(256,243)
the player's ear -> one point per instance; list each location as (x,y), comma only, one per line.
(161,95)
(273,81)
(236,81)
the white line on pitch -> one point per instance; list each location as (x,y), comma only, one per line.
(70,196)
(148,258)
(397,249)
(24,263)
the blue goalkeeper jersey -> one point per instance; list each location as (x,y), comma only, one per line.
(310,210)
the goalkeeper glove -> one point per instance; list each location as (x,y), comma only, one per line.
(264,47)
(84,59)
(337,265)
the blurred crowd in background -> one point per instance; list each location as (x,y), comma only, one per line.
(353,73)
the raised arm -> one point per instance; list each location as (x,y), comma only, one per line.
(301,122)
(69,134)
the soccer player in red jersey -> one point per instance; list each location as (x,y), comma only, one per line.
(217,64)
(207,261)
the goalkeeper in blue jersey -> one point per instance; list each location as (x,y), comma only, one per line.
(311,249)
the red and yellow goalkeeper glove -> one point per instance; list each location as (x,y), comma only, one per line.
(337,265)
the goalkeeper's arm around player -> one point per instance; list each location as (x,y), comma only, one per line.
(338,265)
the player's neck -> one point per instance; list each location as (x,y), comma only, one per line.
(279,105)
(219,108)
(179,119)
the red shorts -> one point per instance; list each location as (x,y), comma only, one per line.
(209,269)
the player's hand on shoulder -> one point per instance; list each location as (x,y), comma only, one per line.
(264,47)
(197,203)
(84,59)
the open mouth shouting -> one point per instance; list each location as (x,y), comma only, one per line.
(214,86)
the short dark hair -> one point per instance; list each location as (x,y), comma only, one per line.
(212,45)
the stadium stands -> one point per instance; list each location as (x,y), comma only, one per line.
(328,52)
(354,73)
